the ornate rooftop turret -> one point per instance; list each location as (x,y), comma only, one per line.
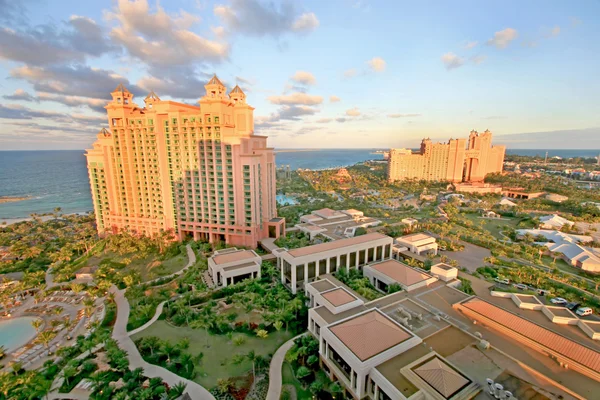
(151,99)
(215,88)
(237,95)
(122,96)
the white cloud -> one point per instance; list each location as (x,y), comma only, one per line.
(307,22)
(255,18)
(353,112)
(452,61)
(555,31)
(502,38)
(334,99)
(350,73)
(472,44)
(162,39)
(403,115)
(478,59)
(324,120)
(296,98)
(377,64)
(304,78)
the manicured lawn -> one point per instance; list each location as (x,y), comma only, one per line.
(561,265)
(217,349)
(149,267)
(288,378)
(494,225)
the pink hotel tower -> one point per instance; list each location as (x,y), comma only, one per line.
(197,170)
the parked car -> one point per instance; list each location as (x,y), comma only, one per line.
(520,286)
(583,311)
(559,301)
(543,292)
(502,280)
(573,306)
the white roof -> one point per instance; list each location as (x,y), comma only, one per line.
(506,202)
(555,220)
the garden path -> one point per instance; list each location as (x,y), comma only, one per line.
(159,310)
(275,377)
(191,261)
(135,359)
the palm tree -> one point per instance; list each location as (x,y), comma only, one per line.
(251,356)
(177,390)
(77,288)
(45,338)
(68,372)
(224,384)
(16,367)
(152,342)
(37,324)
(186,361)
(168,348)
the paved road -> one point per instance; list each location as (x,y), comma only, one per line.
(274,392)
(135,359)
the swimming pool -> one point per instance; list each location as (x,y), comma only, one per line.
(283,200)
(15,332)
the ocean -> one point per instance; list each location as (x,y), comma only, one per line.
(60,179)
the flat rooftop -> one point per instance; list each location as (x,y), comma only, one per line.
(443,266)
(567,348)
(391,369)
(338,297)
(527,298)
(561,312)
(400,272)
(369,334)
(593,325)
(233,256)
(240,266)
(322,285)
(415,237)
(338,244)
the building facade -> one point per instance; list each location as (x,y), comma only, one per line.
(456,161)
(199,171)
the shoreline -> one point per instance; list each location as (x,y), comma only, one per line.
(44,218)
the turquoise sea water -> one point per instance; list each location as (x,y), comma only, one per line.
(15,332)
(60,179)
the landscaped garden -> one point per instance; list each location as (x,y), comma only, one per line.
(229,334)
(354,280)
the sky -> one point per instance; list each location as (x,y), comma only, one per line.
(321,74)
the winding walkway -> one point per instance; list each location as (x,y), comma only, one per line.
(191,261)
(135,359)
(159,310)
(275,377)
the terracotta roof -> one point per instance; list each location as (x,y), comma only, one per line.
(441,377)
(369,334)
(338,244)
(399,272)
(233,256)
(322,285)
(338,297)
(545,337)
(121,88)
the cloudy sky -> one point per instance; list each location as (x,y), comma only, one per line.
(338,73)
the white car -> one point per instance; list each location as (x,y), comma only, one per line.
(558,300)
(583,311)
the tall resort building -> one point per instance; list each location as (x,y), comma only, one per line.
(456,161)
(199,171)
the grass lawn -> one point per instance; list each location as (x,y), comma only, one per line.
(288,378)
(242,315)
(494,225)
(149,267)
(563,266)
(217,349)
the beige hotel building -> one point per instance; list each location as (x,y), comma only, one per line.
(199,170)
(456,161)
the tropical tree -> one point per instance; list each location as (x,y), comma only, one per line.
(177,390)
(251,356)
(224,384)
(37,324)
(45,338)
(261,333)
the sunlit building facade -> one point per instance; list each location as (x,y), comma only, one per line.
(197,170)
(456,161)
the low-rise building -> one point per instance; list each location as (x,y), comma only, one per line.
(389,272)
(299,266)
(444,272)
(230,266)
(419,243)
(335,224)
(520,193)
(85,273)
(554,221)
(477,187)
(506,202)
(410,222)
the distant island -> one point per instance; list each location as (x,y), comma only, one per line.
(13,199)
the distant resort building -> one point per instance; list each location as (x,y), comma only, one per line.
(342,175)
(229,266)
(554,221)
(557,198)
(389,272)
(505,202)
(477,187)
(334,224)
(520,193)
(456,161)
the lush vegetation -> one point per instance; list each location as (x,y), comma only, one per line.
(293,240)
(355,281)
